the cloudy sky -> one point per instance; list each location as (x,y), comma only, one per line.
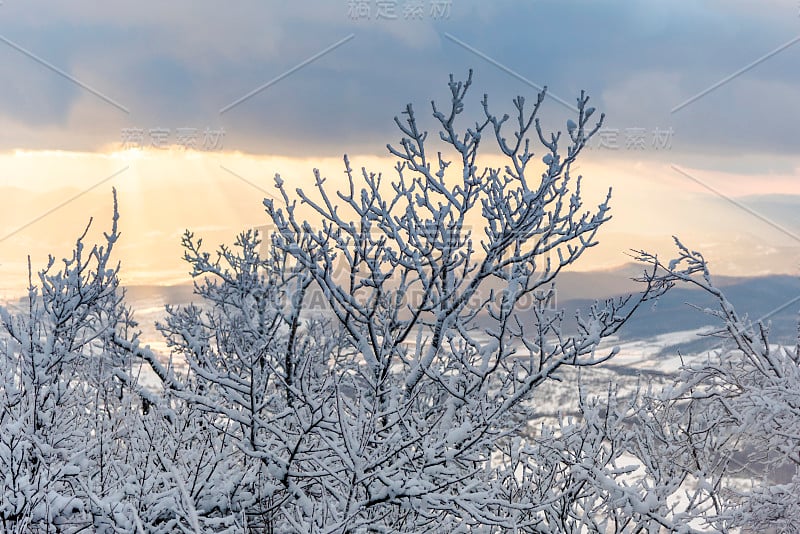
(700,140)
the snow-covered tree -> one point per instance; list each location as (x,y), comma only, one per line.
(83,445)
(63,390)
(407,401)
(407,406)
(739,412)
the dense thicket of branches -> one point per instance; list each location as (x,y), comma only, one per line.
(408,405)
(737,412)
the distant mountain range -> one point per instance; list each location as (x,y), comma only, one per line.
(775,299)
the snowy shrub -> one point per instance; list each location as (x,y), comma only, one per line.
(739,413)
(404,414)
(406,403)
(62,394)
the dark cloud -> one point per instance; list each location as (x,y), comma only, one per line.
(177,65)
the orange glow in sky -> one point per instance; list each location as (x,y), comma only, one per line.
(216,195)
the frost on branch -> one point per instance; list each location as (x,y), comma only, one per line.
(412,398)
(63,390)
(738,412)
(405,404)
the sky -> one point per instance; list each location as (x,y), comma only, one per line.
(189,109)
